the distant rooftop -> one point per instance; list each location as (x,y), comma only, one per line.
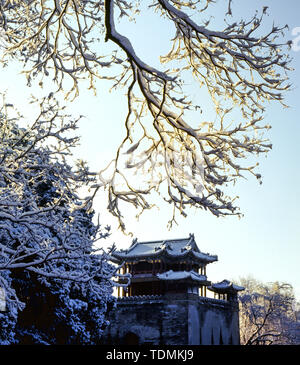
(183,248)
(225,286)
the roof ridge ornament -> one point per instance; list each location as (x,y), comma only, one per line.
(169,246)
(134,241)
(189,245)
(163,245)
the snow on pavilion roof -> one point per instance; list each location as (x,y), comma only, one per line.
(225,286)
(182,275)
(173,249)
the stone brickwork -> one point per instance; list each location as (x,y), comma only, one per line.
(173,319)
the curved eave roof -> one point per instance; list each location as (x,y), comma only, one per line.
(225,286)
(183,276)
(179,249)
(199,257)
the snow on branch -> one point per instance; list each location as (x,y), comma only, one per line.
(267,313)
(170,147)
(45,227)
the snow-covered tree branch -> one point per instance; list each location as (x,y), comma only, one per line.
(187,159)
(46,229)
(267,313)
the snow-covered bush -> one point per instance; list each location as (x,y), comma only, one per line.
(62,312)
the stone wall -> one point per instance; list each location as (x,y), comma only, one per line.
(178,319)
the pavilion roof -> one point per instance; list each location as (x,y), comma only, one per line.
(173,249)
(225,286)
(183,276)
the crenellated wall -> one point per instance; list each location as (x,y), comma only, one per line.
(173,319)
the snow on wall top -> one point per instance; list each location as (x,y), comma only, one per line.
(173,248)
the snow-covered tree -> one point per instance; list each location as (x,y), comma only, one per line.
(187,158)
(267,313)
(60,312)
(47,237)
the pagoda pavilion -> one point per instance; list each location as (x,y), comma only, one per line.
(167,300)
(162,267)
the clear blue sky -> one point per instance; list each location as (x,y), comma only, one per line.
(265,243)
